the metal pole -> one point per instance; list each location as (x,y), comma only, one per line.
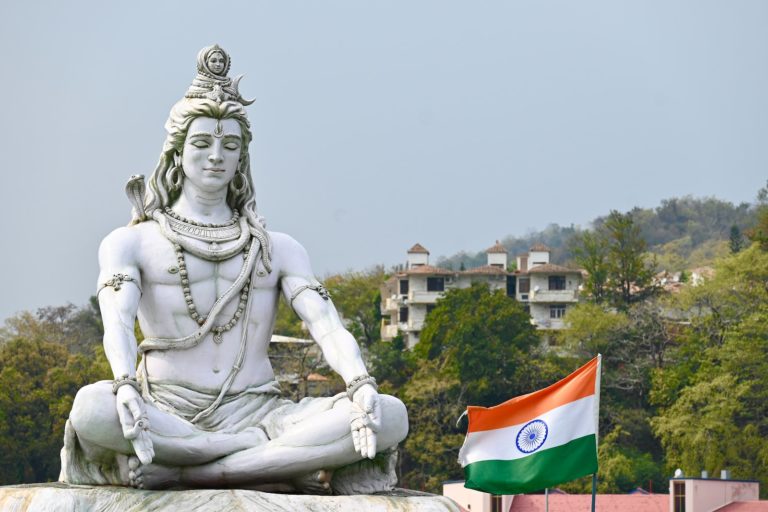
(546,499)
(594,490)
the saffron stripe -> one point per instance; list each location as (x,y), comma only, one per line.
(546,468)
(564,424)
(521,409)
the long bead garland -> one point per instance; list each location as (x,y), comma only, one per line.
(219,330)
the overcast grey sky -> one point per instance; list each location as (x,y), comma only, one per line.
(378,124)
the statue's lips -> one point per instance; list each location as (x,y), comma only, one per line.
(214,170)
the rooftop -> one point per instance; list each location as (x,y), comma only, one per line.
(540,248)
(497,249)
(745,506)
(418,249)
(485,269)
(583,503)
(429,269)
(551,268)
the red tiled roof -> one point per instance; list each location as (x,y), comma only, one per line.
(419,249)
(540,248)
(485,269)
(429,269)
(497,249)
(550,268)
(583,503)
(745,506)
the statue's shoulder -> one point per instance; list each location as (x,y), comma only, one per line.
(288,255)
(128,240)
(284,244)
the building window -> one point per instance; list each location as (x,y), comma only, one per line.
(557,282)
(557,311)
(678,497)
(495,503)
(404,314)
(435,284)
(524,285)
(403,287)
(430,307)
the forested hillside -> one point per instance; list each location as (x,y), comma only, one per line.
(682,232)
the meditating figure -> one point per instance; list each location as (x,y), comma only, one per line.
(203,276)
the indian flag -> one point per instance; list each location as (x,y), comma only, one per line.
(536,440)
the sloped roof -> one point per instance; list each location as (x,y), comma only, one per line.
(551,268)
(497,249)
(539,247)
(429,269)
(583,503)
(418,248)
(485,269)
(745,506)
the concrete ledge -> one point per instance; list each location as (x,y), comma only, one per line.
(56,497)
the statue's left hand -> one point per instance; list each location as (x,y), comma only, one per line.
(365,420)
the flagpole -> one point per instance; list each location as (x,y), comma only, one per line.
(594,490)
(546,499)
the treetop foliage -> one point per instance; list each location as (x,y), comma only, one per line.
(693,226)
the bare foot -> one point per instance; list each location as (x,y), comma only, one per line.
(155,476)
(130,471)
(147,476)
(317,482)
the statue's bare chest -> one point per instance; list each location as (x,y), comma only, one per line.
(166,270)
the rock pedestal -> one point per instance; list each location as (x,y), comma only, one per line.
(56,497)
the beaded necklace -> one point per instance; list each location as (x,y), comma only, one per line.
(207,232)
(218,330)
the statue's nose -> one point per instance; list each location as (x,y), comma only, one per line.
(215,157)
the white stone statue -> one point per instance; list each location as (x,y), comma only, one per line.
(203,276)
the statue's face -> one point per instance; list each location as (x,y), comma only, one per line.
(211,152)
(216,62)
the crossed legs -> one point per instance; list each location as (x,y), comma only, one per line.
(185,455)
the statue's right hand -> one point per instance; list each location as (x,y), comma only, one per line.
(135,423)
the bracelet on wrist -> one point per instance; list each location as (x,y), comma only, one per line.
(123,381)
(358,382)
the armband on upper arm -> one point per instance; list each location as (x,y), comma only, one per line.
(319,288)
(117,281)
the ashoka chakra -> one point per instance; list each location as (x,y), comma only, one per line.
(532,436)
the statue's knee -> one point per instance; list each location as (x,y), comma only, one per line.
(395,418)
(94,405)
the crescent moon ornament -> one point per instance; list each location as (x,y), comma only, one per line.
(236,87)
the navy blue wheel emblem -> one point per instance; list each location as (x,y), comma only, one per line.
(532,436)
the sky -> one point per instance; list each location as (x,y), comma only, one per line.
(378,124)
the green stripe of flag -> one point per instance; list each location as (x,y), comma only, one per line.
(546,468)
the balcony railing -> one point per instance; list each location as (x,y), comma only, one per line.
(553,296)
(390,305)
(422,297)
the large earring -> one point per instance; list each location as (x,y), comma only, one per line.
(176,174)
(238,185)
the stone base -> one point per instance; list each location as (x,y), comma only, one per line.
(57,497)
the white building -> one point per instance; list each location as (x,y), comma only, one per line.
(546,289)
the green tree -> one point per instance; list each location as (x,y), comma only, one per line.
(392,364)
(357,297)
(735,240)
(713,399)
(476,348)
(628,271)
(38,381)
(590,251)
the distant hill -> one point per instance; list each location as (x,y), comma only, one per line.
(682,232)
